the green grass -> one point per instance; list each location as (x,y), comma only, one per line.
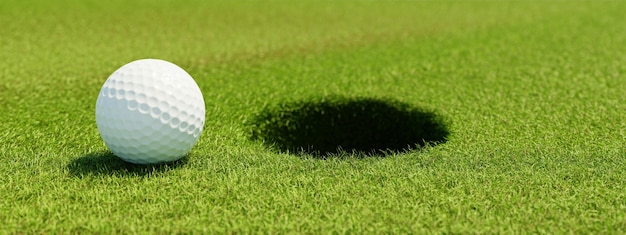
(533,94)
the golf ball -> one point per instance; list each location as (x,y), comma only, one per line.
(150,111)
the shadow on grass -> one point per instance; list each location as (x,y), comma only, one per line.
(335,127)
(106,163)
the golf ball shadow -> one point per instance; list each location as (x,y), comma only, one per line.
(106,163)
(333,125)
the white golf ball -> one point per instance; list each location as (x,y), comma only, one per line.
(150,111)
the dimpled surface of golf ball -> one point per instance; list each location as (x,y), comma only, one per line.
(150,111)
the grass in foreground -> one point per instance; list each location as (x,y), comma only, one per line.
(534,93)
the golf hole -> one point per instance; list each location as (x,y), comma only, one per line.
(330,126)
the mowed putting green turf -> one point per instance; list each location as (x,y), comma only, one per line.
(528,98)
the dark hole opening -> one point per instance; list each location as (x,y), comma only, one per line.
(329,126)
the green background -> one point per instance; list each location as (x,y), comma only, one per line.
(534,92)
